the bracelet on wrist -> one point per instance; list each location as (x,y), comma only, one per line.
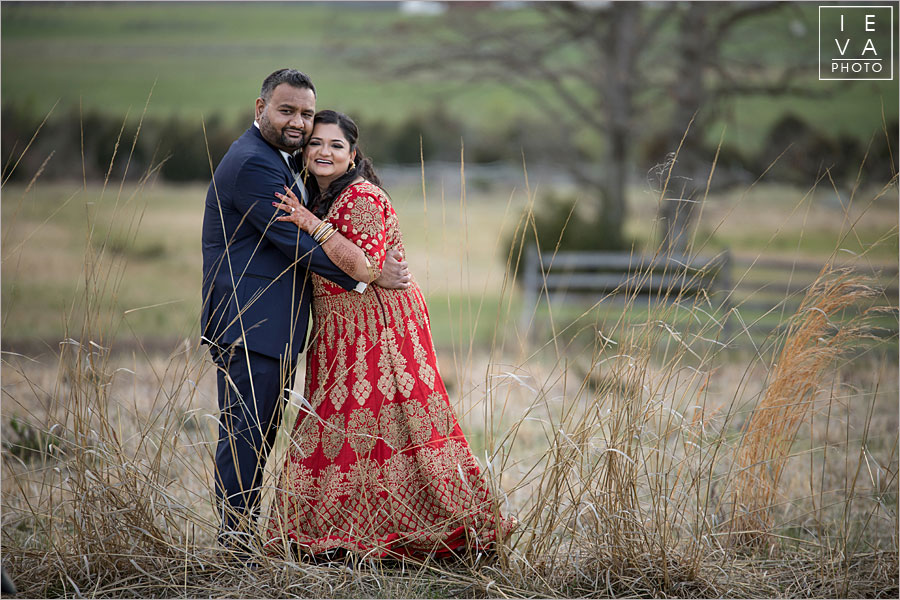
(327,235)
(317,229)
(323,233)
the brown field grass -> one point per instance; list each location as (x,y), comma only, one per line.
(632,454)
(626,473)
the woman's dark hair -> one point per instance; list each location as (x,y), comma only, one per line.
(321,201)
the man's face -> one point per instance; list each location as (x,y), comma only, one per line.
(287,117)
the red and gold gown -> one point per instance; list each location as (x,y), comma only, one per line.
(382,467)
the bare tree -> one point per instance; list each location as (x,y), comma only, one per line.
(703,79)
(605,69)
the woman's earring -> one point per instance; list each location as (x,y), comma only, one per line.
(352,165)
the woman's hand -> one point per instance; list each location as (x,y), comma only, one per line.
(299,215)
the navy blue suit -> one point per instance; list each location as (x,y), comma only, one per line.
(256,297)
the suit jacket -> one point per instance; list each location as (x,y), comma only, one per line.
(255,285)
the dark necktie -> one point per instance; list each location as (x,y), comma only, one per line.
(295,173)
(292,163)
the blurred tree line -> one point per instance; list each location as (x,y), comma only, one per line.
(180,146)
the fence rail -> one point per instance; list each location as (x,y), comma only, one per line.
(758,286)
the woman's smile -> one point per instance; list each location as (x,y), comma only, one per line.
(328,153)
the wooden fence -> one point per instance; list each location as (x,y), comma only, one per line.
(754,293)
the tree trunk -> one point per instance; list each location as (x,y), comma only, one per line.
(688,93)
(620,45)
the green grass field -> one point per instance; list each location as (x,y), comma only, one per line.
(209,58)
(456,247)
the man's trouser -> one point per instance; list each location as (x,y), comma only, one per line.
(251,399)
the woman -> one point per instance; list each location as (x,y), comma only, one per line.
(381,467)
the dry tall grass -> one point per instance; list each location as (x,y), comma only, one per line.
(811,345)
(630,453)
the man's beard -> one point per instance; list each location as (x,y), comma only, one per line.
(278,137)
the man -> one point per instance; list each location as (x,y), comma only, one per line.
(256,292)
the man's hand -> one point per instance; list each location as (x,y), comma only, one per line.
(394,273)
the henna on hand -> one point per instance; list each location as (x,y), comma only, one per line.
(298,214)
(345,255)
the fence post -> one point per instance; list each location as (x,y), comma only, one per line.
(724,279)
(531,283)
(677,215)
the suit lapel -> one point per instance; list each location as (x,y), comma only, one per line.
(296,184)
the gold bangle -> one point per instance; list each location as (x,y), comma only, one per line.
(315,231)
(321,235)
(328,235)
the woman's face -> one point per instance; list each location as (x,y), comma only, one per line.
(328,153)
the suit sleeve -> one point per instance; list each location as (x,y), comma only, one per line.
(255,188)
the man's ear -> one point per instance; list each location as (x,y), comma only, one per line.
(260,107)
